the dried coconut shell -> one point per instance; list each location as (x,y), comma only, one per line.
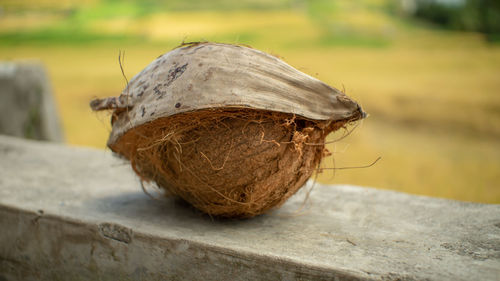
(214,75)
(230,129)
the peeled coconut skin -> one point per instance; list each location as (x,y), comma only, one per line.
(230,129)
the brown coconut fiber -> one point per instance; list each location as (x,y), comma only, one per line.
(234,163)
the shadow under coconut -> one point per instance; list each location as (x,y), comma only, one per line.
(172,211)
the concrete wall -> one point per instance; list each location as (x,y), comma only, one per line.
(79,214)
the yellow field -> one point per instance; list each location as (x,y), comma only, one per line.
(433,97)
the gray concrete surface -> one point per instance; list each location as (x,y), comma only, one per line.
(79,214)
(27,108)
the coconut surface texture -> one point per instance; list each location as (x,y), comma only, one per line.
(230,129)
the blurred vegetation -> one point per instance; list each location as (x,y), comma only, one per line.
(76,23)
(432,93)
(467,15)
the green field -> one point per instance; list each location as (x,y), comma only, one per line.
(433,95)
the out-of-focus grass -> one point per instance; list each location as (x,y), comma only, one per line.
(432,95)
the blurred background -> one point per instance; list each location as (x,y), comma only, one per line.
(426,71)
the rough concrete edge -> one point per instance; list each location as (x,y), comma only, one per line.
(270,262)
(360,188)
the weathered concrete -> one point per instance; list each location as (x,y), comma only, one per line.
(27,108)
(79,214)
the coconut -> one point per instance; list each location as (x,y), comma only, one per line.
(230,129)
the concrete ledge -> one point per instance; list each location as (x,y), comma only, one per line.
(79,214)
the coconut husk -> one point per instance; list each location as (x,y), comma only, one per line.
(228,163)
(213,75)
